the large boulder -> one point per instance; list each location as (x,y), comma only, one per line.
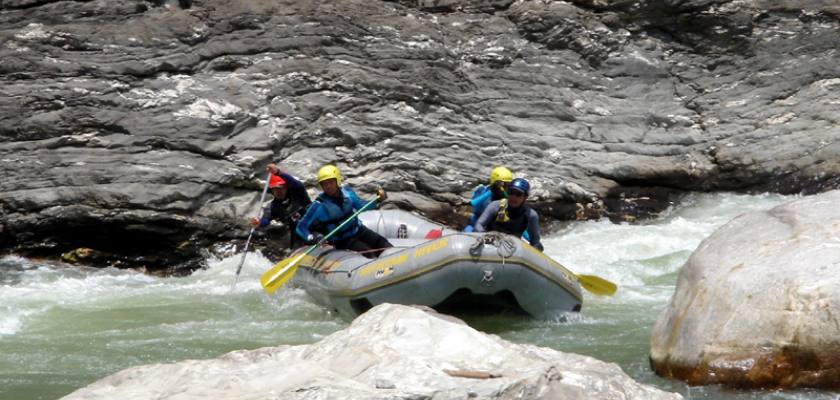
(390,352)
(757,304)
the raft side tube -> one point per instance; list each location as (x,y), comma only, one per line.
(428,272)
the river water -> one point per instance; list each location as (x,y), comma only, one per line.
(63,327)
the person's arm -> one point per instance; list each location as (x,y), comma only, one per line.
(263,220)
(485,218)
(312,215)
(290,180)
(357,202)
(533,230)
(266,216)
(480,197)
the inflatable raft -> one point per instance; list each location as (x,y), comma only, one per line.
(438,267)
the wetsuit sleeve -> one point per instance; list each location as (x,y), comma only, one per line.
(313,214)
(265,217)
(533,230)
(291,180)
(357,202)
(297,191)
(480,196)
(485,218)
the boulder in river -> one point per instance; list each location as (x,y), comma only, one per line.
(757,304)
(390,352)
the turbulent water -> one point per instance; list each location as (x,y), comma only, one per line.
(63,327)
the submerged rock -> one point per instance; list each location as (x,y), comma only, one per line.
(390,352)
(757,304)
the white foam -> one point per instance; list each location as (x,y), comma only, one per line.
(630,255)
(10,321)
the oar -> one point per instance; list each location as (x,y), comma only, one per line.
(247,242)
(596,285)
(281,272)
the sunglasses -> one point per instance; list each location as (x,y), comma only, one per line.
(515,193)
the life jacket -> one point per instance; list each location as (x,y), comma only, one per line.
(508,221)
(336,215)
(488,194)
(289,210)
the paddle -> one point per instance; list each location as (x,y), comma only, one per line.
(281,272)
(596,285)
(247,242)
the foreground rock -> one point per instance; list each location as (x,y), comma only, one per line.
(390,352)
(128,128)
(757,304)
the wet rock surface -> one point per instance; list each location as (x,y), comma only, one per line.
(756,304)
(143,127)
(390,352)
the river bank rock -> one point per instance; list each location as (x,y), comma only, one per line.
(757,303)
(390,352)
(143,127)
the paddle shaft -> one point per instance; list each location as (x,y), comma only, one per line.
(315,246)
(248,242)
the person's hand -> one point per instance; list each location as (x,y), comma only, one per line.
(380,193)
(273,168)
(254,222)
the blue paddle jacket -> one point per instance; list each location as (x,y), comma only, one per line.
(481,197)
(326,213)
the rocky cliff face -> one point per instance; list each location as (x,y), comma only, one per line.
(138,126)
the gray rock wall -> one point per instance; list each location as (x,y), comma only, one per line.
(128,123)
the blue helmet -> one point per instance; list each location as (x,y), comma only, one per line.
(521,185)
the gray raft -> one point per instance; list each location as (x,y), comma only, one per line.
(438,267)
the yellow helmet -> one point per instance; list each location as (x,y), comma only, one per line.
(500,174)
(329,172)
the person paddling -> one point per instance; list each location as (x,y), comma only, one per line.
(289,203)
(500,178)
(336,204)
(511,215)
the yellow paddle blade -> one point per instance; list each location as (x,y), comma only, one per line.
(597,285)
(280,273)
